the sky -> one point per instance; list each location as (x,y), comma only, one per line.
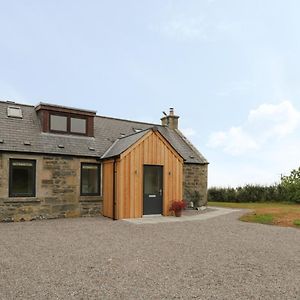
(230,68)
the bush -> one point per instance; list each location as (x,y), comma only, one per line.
(288,190)
(248,193)
(290,186)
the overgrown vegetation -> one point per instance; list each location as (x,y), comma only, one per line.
(288,190)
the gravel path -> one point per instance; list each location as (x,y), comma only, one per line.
(96,258)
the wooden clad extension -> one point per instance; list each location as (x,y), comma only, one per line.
(151,149)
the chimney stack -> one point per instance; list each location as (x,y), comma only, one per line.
(170,120)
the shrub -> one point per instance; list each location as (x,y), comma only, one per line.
(288,190)
(290,186)
(248,193)
(178,205)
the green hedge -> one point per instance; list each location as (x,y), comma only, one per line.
(252,193)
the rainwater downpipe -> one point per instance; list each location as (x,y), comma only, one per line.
(114,190)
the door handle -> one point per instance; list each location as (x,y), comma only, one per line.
(160,192)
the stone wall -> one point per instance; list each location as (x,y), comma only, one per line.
(57,190)
(195,183)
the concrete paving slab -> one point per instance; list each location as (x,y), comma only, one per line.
(156,219)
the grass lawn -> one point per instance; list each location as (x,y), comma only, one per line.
(280,214)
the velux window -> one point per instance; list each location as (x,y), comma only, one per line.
(90,179)
(22,178)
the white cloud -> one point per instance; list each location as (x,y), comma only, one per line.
(278,120)
(266,123)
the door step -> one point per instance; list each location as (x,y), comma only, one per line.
(152,216)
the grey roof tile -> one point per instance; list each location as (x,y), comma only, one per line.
(14,132)
(122,144)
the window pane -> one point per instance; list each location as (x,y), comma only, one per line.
(78,125)
(58,123)
(152,180)
(22,182)
(90,179)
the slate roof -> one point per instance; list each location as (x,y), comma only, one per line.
(122,144)
(15,133)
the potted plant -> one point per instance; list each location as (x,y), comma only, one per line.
(177,206)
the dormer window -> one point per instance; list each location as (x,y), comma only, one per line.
(68,124)
(66,120)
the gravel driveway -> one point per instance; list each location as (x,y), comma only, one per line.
(96,258)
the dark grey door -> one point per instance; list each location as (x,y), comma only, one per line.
(153,190)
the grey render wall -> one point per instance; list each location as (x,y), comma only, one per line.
(195,183)
(57,190)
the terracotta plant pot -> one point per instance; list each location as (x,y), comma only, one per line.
(178,213)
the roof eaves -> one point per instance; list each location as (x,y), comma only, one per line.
(31,152)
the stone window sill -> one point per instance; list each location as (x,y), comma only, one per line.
(90,199)
(22,200)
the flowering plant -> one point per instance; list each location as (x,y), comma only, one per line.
(178,205)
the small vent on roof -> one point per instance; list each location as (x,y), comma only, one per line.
(137,129)
(192,156)
(1,141)
(60,146)
(14,112)
(122,134)
(27,143)
(91,149)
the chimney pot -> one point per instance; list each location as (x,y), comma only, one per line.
(170,120)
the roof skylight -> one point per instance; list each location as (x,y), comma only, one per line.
(14,112)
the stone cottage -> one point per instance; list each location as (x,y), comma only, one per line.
(58,161)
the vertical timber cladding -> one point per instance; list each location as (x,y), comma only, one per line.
(152,149)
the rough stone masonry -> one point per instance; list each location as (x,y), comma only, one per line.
(195,183)
(57,190)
